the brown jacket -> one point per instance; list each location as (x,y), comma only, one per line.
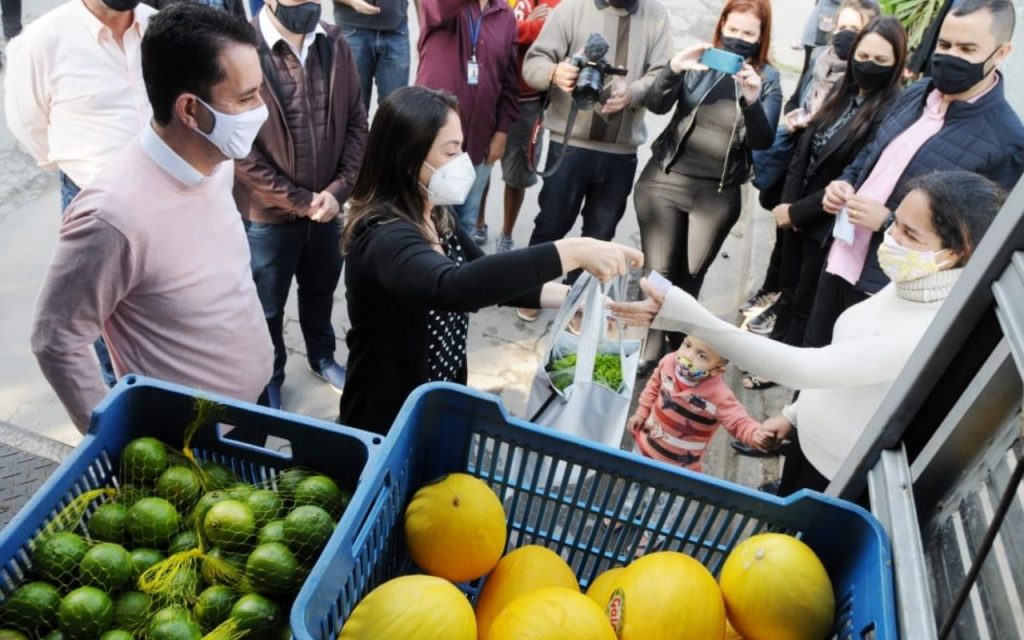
(268,187)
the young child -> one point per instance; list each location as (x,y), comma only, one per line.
(684,403)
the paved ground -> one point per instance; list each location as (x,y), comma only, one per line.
(503,350)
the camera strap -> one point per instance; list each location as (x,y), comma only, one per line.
(570,122)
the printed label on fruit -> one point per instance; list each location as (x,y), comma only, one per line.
(617,610)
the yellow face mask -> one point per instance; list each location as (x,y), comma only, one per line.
(901,264)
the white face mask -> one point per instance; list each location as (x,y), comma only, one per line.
(233,133)
(452,181)
(901,264)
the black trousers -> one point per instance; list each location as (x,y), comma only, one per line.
(801,260)
(11,10)
(683,223)
(797,472)
(833,297)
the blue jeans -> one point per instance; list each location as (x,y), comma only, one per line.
(597,181)
(68,191)
(469,211)
(308,252)
(380,55)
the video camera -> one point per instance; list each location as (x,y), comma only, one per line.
(594,68)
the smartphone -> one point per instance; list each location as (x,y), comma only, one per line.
(722,61)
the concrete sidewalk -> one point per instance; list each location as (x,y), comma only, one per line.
(503,350)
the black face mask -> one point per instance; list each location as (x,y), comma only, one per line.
(953,75)
(623,4)
(869,75)
(741,47)
(842,43)
(300,18)
(122,5)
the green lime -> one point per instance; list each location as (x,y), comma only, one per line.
(216,476)
(180,486)
(143,460)
(131,610)
(256,614)
(273,531)
(213,606)
(307,529)
(32,607)
(85,613)
(54,635)
(107,566)
(57,556)
(12,634)
(108,523)
(322,492)
(173,623)
(152,522)
(143,558)
(223,567)
(172,612)
(230,525)
(288,481)
(117,634)
(183,541)
(207,500)
(272,569)
(266,506)
(240,491)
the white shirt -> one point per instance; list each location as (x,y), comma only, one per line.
(73,97)
(168,159)
(272,35)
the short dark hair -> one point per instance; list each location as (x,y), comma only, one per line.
(181,53)
(963,205)
(402,133)
(1003,15)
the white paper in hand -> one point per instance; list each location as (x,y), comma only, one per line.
(843,229)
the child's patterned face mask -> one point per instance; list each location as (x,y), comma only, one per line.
(686,369)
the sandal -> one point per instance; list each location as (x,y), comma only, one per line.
(756,383)
(528,315)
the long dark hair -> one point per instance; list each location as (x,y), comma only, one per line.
(963,205)
(760,8)
(400,138)
(834,105)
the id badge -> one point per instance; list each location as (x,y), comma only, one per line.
(473,72)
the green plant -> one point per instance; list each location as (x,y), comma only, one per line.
(916,16)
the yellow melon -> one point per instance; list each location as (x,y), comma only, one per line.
(730,631)
(666,596)
(412,608)
(551,613)
(776,588)
(601,588)
(518,573)
(455,528)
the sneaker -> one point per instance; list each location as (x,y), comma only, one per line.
(505,243)
(527,315)
(332,373)
(479,235)
(763,324)
(760,300)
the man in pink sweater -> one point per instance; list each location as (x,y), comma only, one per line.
(152,255)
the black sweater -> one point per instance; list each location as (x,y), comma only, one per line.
(393,277)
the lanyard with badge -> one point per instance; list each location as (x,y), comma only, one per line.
(473,67)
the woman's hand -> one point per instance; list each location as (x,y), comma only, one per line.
(605,260)
(643,312)
(778,428)
(750,83)
(782,219)
(865,212)
(795,119)
(689,59)
(836,194)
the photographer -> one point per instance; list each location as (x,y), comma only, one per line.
(599,161)
(688,196)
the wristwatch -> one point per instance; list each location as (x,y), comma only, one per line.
(889,219)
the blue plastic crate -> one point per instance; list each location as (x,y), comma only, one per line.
(446,428)
(141,406)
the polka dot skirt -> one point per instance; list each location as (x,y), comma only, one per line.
(447,330)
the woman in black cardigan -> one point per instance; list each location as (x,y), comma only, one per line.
(412,274)
(845,123)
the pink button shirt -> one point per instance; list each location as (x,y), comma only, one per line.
(847,261)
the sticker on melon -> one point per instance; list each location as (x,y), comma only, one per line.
(455,528)
(417,606)
(776,588)
(552,613)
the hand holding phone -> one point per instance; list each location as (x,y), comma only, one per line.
(723,61)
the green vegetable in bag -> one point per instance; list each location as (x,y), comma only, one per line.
(607,371)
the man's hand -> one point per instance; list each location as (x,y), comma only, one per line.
(836,194)
(496,148)
(361,6)
(565,76)
(782,219)
(865,212)
(324,207)
(539,12)
(619,99)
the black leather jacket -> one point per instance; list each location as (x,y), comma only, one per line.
(686,92)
